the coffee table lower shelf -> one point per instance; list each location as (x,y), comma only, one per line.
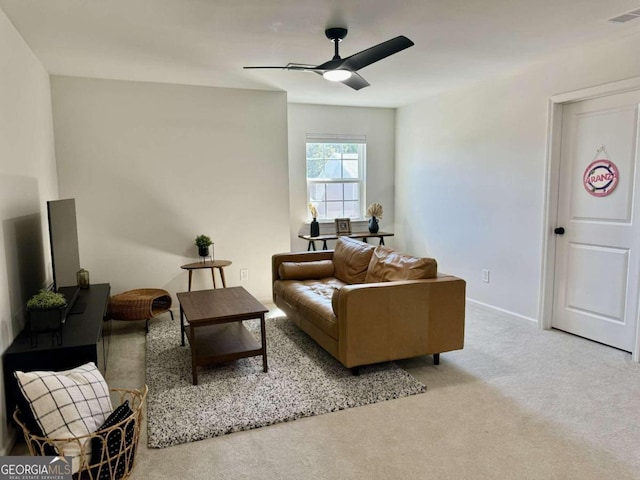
(221,343)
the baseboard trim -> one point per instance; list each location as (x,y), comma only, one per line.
(502,310)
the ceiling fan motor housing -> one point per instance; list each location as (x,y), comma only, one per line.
(334,34)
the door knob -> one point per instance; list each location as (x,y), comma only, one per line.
(559,231)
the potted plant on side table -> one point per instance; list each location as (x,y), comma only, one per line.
(46,312)
(203,242)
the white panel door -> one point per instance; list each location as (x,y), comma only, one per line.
(597,266)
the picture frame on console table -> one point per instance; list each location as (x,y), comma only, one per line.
(343,226)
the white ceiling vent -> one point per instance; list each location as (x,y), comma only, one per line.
(625,17)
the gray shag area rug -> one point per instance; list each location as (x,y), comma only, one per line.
(303,380)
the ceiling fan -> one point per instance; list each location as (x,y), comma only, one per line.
(345,69)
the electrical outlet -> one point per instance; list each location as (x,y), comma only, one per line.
(244,274)
(485,276)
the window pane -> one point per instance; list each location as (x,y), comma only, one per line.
(351,209)
(317,192)
(334,210)
(314,150)
(351,148)
(350,169)
(333,169)
(315,168)
(334,191)
(332,150)
(322,210)
(351,191)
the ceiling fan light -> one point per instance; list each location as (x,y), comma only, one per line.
(336,75)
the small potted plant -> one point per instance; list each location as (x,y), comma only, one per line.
(375,212)
(46,311)
(203,242)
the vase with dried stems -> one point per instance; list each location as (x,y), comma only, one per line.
(374,213)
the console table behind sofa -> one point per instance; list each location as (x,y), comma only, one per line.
(357,235)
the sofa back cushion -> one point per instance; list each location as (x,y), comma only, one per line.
(305,270)
(387,265)
(351,259)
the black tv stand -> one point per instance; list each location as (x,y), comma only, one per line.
(71,294)
(85,338)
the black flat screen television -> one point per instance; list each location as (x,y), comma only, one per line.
(65,255)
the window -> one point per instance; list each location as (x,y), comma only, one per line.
(335,175)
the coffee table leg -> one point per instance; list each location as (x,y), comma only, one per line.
(182,324)
(263,334)
(213,277)
(190,275)
(194,355)
(224,283)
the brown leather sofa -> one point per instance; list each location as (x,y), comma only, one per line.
(366,304)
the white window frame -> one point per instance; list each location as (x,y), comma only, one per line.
(360,181)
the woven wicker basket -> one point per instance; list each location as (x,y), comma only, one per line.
(139,304)
(107,467)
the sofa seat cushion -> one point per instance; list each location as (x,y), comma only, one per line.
(351,259)
(312,300)
(387,265)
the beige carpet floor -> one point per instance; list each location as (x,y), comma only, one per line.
(516,403)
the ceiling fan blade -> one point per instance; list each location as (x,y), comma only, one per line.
(378,52)
(289,66)
(355,81)
(256,68)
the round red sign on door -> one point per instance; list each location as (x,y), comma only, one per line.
(600,178)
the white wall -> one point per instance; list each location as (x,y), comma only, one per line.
(378,125)
(471,164)
(27,181)
(153,165)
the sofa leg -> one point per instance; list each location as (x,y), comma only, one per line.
(355,371)
(436,359)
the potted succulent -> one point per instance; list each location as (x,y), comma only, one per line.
(46,311)
(203,242)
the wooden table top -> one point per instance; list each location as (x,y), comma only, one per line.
(207,264)
(222,304)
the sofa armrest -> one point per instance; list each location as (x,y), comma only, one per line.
(402,319)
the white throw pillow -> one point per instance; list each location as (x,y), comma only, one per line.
(67,404)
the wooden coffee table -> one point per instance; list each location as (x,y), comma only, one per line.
(215,330)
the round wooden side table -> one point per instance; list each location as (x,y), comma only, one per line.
(213,265)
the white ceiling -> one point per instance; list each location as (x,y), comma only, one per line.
(207,42)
